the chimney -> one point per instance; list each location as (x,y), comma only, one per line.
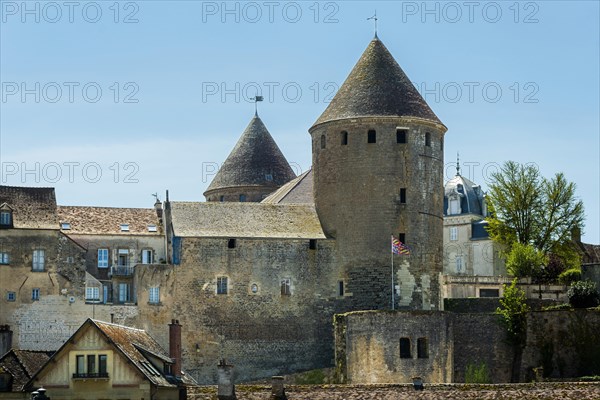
(175,346)
(158,208)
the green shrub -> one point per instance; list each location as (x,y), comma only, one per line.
(583,294)
(564,306)
(512,310)
(570,276)
(477,373)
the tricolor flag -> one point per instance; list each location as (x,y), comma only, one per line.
(399,248)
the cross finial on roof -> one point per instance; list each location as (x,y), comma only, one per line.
(457,164)
(374,18)
(256,100)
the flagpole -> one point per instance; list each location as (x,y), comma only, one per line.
(393,301)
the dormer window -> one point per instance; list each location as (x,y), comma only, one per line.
(454,205)
(65,226)
(124,227)
(6,218)
(152,228)
(269,177)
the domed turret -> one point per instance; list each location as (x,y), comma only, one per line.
(254,168)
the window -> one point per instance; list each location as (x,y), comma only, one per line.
(35,294)
(154,295)
(222,285)
(4,258)
(344,138)
(312,244)
(123,260)
(372,137)
(221,198)
(65,225)
(106,293)
(403,195)
(80,365)
(340,288)
(422,349)
(102,370)
(454,207)
(459,264)
(323,141)
(152,228)
(124,227)
(124,295)
(254,288)
(453,233)
(5,218)
(231,244)
(405,348)
(102,258)
(39,259)
(401,136)
(92,294)
(427,139)
(242,198)
(147,256)
(269,177)
(286,287)
(402,237)
(11,296)
(91,364)
(489,292)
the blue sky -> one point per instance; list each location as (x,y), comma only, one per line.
(110,102)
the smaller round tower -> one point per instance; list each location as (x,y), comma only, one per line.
(254,168)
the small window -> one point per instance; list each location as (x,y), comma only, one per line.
(323,141)
(152,228)
(453,207)
(403,195)
(231,244)
(286,287)
(102,258)
(340,288)
(11,296)
(91,364)
(269,177)
(453,233)
(35,294)
(102,370)
(422,348)
(254,288)
(124,227)
(459,264)
(124,293)
(402,238)
(92,294)
(401,136)
(154,295)
(222,285)
(65,225)
(427,139)
(147,256)
(4,258)
(242,198)
(312,244)
(405,348)
(5,218)
(80,365)
(39,260)
(221,199)
(372,137)
(489,292)
(344,138)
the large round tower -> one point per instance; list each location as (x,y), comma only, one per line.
(378,171)
(254,168)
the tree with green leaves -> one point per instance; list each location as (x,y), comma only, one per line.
(531,210)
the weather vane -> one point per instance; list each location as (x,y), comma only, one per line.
(256,100)
(155,195)
(374,18)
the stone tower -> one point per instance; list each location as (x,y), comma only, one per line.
(378,171)
(254,168)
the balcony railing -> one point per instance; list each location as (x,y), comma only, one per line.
(98,375)
(121,270)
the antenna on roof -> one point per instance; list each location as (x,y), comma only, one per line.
(374,18)
(256,100)
(155,195)
(457,164)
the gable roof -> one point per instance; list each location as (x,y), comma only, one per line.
(256,160)
(107,220)
(33,208)
(376,87)
(246,220)
(22,365)
(296,191)
(129,342)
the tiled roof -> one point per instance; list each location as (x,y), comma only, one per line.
(33,208)
(107,220)
(249,220)
(377,86)
(591,253)
(22,365)
(296,191)
(254,161)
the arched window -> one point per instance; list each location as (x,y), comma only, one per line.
(344,138)
(323,142)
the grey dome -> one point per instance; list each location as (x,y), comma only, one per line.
(469,193)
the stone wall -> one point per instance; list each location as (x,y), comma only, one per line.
(591,272)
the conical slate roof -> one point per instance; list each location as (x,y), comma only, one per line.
(254,161)
(377,86)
